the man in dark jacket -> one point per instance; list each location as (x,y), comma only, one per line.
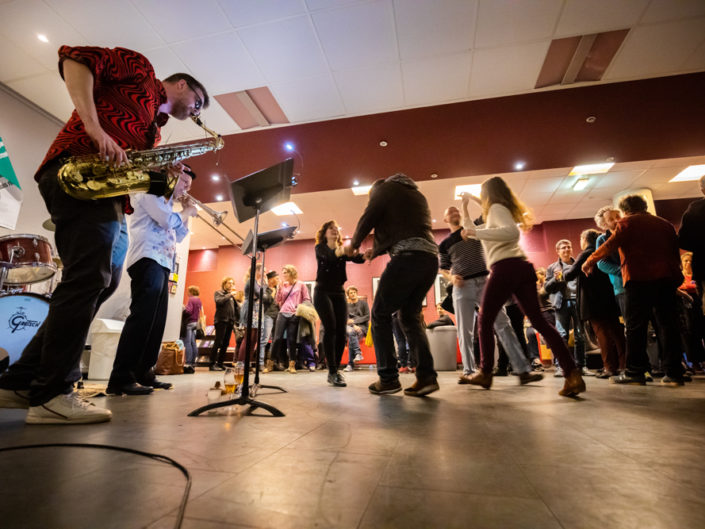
(399,215)
(358,322)
(227,312)
(563,295)
(648,249)
(691,237)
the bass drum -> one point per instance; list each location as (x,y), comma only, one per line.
(21,315)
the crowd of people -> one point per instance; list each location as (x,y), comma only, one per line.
(629,282)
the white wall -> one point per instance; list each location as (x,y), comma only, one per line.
(27,133)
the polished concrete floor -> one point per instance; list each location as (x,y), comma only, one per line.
(512,457)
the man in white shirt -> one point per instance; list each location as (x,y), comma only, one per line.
(154,231)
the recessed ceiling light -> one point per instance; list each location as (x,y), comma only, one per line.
(219,197)
(473,189)
(288,146)
(580,184)
(519,166)
(593,168)
(434,175)
(215,177)
(434,220)
(356,182)
(284,224)
(361,190)
(693,172)
(42,37)
(287,208)
(383,143)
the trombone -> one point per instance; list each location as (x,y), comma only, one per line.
(218,217)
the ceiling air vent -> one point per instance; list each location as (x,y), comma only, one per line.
(252,108)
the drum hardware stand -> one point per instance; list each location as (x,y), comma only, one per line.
(252,195)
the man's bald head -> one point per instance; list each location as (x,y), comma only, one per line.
(452,216)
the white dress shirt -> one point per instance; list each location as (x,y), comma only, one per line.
(154,230)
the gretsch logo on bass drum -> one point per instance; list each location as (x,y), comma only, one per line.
(19,321)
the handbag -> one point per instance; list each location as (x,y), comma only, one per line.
(171,359)
(201,327)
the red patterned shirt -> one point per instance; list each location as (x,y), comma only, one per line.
(127,97)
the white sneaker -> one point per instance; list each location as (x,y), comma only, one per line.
(11,398)
(358,357)
(67,409)
(349,368)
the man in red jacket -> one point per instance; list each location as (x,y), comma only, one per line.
(648,250)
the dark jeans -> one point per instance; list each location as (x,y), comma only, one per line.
(403,285)
(288,324)
(86,231)
(403,354)
(332,308)
(223,331)
(644,298)
(516,277)
(354,338)
(567,318)
(141,337)
(532,336)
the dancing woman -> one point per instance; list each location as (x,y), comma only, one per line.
(329,296)
(511,274)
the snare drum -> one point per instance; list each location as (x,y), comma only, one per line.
(27,259)
(21,315)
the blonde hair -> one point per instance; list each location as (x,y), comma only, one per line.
(321,234)
(291,270)
(686,254)
(194,290)
(496,191)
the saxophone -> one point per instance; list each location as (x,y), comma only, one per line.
(89,177)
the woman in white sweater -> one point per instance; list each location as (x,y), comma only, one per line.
(511,274)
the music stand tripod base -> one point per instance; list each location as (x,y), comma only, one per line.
(242,401)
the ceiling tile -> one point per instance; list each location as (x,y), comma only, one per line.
(663,10)
(616,179)
(366,91)
(697,59)
(285,50)
(22,21)
(108,23)
(247,12)
(502,22)
(436,80)
(214,117)
(425,29)
(659,49)
(357,35)
(48,91)
(309,99)
(174,19)
(326,4)
(506,70)
(220,72)
(166,62)
(15,63)
(580,17)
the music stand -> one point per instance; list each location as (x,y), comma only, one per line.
(266,240)
(251,195)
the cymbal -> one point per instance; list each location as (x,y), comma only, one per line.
(49,225)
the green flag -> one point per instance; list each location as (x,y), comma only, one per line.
(6,170)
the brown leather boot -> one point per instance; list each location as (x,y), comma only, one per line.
(481,379)
(268,367)
(574,384)
(292,367)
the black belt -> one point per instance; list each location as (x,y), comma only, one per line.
(478,274)
(410,253)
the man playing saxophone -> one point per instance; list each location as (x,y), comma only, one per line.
(119,105)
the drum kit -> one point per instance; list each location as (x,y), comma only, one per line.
(24,260)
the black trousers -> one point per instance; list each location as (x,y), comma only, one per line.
(403,285)
(86,231)
(223,331)
(516,317)
(141,337)
(289,324)
(332,308)
(644,299)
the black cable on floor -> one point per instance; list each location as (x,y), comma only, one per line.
(156,457)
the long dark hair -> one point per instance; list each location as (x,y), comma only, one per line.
(321,235)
